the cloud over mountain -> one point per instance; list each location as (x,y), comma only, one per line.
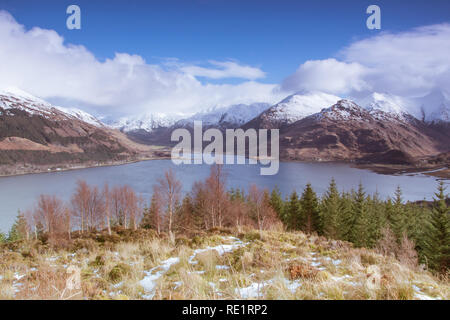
(39,61)
(408,63)
(404,63)
(328,75)
(225,69)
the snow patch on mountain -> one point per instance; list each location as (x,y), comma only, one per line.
(388,103)
(435,106)
(19,93)
(147,122)
(300,105)
(234,115)
(347,110)
(82,115)
(343,110)
(432,107)
(14,98)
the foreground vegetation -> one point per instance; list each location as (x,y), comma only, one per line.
(218,264)
(219,244)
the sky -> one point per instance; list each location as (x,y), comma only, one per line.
(131,57)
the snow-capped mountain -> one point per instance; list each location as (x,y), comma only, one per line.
(389,103)
(293,108)
(435,106)
(348,110)
(432,107)
(230,116)
(301,105)
(147,122)
(83,116)
(347,131)
(343,110)
(18,99)
(39,135)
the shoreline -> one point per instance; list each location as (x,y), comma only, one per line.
(442,172)
(80,166)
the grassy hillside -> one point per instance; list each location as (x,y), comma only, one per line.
(218,264)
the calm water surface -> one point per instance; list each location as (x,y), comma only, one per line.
(21,192)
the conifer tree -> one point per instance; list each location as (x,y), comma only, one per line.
(397,216)
(146,222)
(346,217)
(438,235)
(276,202)
(19,230)
(152,218)
(292,212)
(186,218)
(330,211)
(309,208)
(231,193)
(417,229)
(237,194)
(375,220)
(359,233)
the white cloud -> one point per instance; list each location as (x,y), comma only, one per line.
(226,69)
(327,75)
(39,61)
(405,63)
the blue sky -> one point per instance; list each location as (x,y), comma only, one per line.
(183,56)
(275,35)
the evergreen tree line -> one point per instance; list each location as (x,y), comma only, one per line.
(391,226)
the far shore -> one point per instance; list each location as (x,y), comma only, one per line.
(438,171)
(65,167)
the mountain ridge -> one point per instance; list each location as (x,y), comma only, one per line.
(36,136)
(375,129)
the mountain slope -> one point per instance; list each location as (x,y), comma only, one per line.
(227,117)
(35,133)
(391,104)
(435,107)
(348,132)
(157,128)
(147,122)
(293,108)
(14,98)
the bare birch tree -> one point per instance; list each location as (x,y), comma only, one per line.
(170,189)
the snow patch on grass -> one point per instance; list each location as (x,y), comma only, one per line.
(221,249)
(150,280)
(153,275)
(255,290)
(418,294)
(219,267)
(252,291)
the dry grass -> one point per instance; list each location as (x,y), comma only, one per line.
(278,265)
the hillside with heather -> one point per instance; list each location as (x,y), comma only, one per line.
(218,264)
